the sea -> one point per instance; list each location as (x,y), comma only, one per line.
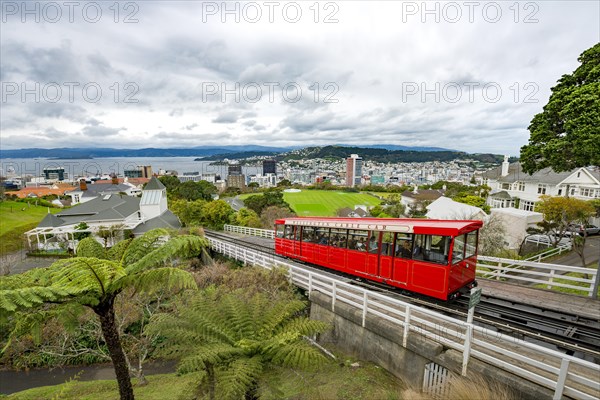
(96,167)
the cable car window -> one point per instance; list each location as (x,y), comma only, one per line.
(339,238)
(404,245)
(357,240)
(373,243)
(387,244)
(432,248)
(458,252)
(471,248)
(289,232)
(323,236)
(308,234)
(279,230)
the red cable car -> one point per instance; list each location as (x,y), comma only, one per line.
(436,258)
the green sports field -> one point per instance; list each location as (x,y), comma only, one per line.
(324,203)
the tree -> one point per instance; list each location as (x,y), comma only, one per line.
(207,190)
(272,213)
(233,339)
(216,214)
(284,183)
(82,226)
(94,279)
(190,213)
(491,236)
(566,135)
(246,217)
(189,190)
(171,182)
(560,212)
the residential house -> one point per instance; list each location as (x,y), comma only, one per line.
(89,191)
(419,197)
(445,208)
(57,189)
(111,210)
(512,187)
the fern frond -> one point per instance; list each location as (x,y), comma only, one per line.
(240,376)
(83,274)
(279,314)
(117,252)
(296,355)
(152,280)
(177,247)
(143,245)
(89,247)
(20,298)
(214,354)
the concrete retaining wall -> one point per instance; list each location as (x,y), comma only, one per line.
(381,343)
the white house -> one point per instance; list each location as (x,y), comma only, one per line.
(512,187)
(445,208)
(515,224)
(115,210)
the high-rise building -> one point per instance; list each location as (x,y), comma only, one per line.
(54,174)
(234,170)
(141,171)
(269,167)
(353,170)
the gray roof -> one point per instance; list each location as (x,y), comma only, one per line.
(154,184)
(165,220)
(50,221)
(516,174)
(97,189)
(101,209)
(503,194)
(423,194)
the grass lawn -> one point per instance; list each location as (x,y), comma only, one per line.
(331,381)
(17,218)
(324,203)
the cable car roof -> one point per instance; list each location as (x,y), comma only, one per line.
(408,225)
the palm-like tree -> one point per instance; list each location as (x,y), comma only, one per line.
(233,339)
(95,278)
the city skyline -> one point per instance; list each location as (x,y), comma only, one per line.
(467,76)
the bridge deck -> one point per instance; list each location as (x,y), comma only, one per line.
(585,307)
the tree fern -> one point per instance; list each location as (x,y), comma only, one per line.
(94,281)
(238,337)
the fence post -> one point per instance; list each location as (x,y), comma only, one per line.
(406,326)
(499,270)
(333,296)
(550,279)
(365,307)
(310,284)
(562,378)
(596,284)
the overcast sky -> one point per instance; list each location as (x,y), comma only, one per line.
(461,75)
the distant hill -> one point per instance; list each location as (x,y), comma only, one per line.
(380,153)
(74,153)
(399,147)
(392,156)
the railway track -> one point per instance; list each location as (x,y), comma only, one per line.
(568,333)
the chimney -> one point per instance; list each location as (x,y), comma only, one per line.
(505,165)
(82,185)
(115,180)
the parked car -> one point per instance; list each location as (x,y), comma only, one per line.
(584,229)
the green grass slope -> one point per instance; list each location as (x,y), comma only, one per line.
(17,218)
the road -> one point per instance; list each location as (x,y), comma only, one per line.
(234,202)
(592,253)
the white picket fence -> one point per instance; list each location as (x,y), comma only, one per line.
(560,373)
(436,381)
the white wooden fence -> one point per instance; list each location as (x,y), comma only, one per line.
(531,272)
(556,371)
(244,230)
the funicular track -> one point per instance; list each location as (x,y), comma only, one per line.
(568,333)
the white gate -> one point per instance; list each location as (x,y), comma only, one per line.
(436,381)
